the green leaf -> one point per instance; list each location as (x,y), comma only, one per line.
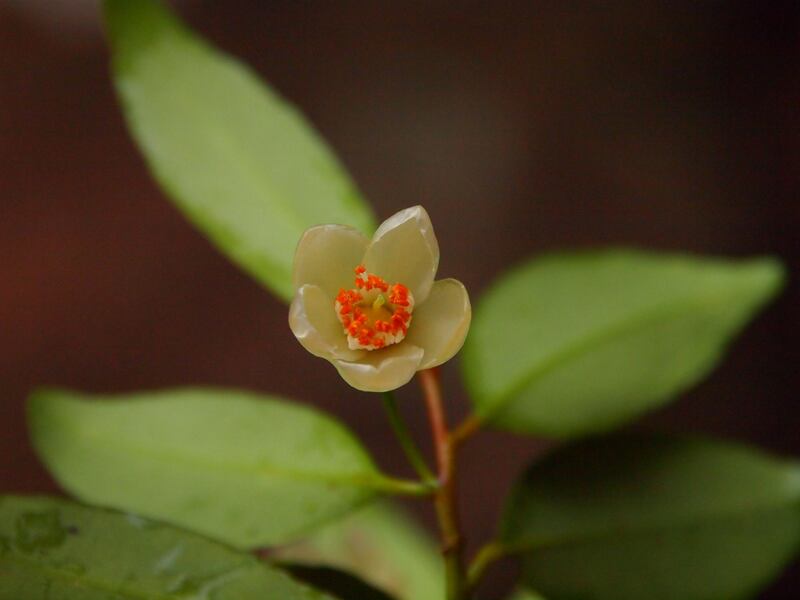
(246,469)
(576,343)
(661,518)
(56,549)
(243,165)
(381,545)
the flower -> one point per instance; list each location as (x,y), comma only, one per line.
(372,307)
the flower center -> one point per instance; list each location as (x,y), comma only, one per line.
(374,314)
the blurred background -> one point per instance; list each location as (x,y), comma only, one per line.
(521,126)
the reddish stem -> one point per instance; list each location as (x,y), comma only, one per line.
(445,498)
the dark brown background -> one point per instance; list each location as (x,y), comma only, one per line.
(522,127)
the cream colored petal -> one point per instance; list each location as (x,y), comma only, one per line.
(404,250)
(382,370)
(312,318)
(440,325)
(326,256)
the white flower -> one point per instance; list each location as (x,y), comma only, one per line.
(372,307)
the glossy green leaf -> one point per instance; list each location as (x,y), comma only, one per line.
(661,518)
(246,469)
(577,343)
(381,545)
(52,549)
(241,163)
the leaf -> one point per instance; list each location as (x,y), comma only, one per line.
(246,469)
(242,164)
(380,544)
(56,549)
(575,343)
(661,518)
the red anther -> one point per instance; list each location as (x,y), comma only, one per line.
(351,307)
(399,295)
(373,281)
(399,321)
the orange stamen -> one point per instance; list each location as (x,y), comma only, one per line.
(358,306)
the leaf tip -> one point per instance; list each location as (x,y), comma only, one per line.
(772,273)
(36,401)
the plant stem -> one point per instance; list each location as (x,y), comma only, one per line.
(445,496)
(405,487)
(403,435)
(465,429)
(485,557)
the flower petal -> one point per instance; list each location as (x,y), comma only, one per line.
(440,325)
(312,318)
(326,256)
(382,370)
(404,250)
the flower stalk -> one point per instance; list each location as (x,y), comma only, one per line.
(403,436)
(452,542)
